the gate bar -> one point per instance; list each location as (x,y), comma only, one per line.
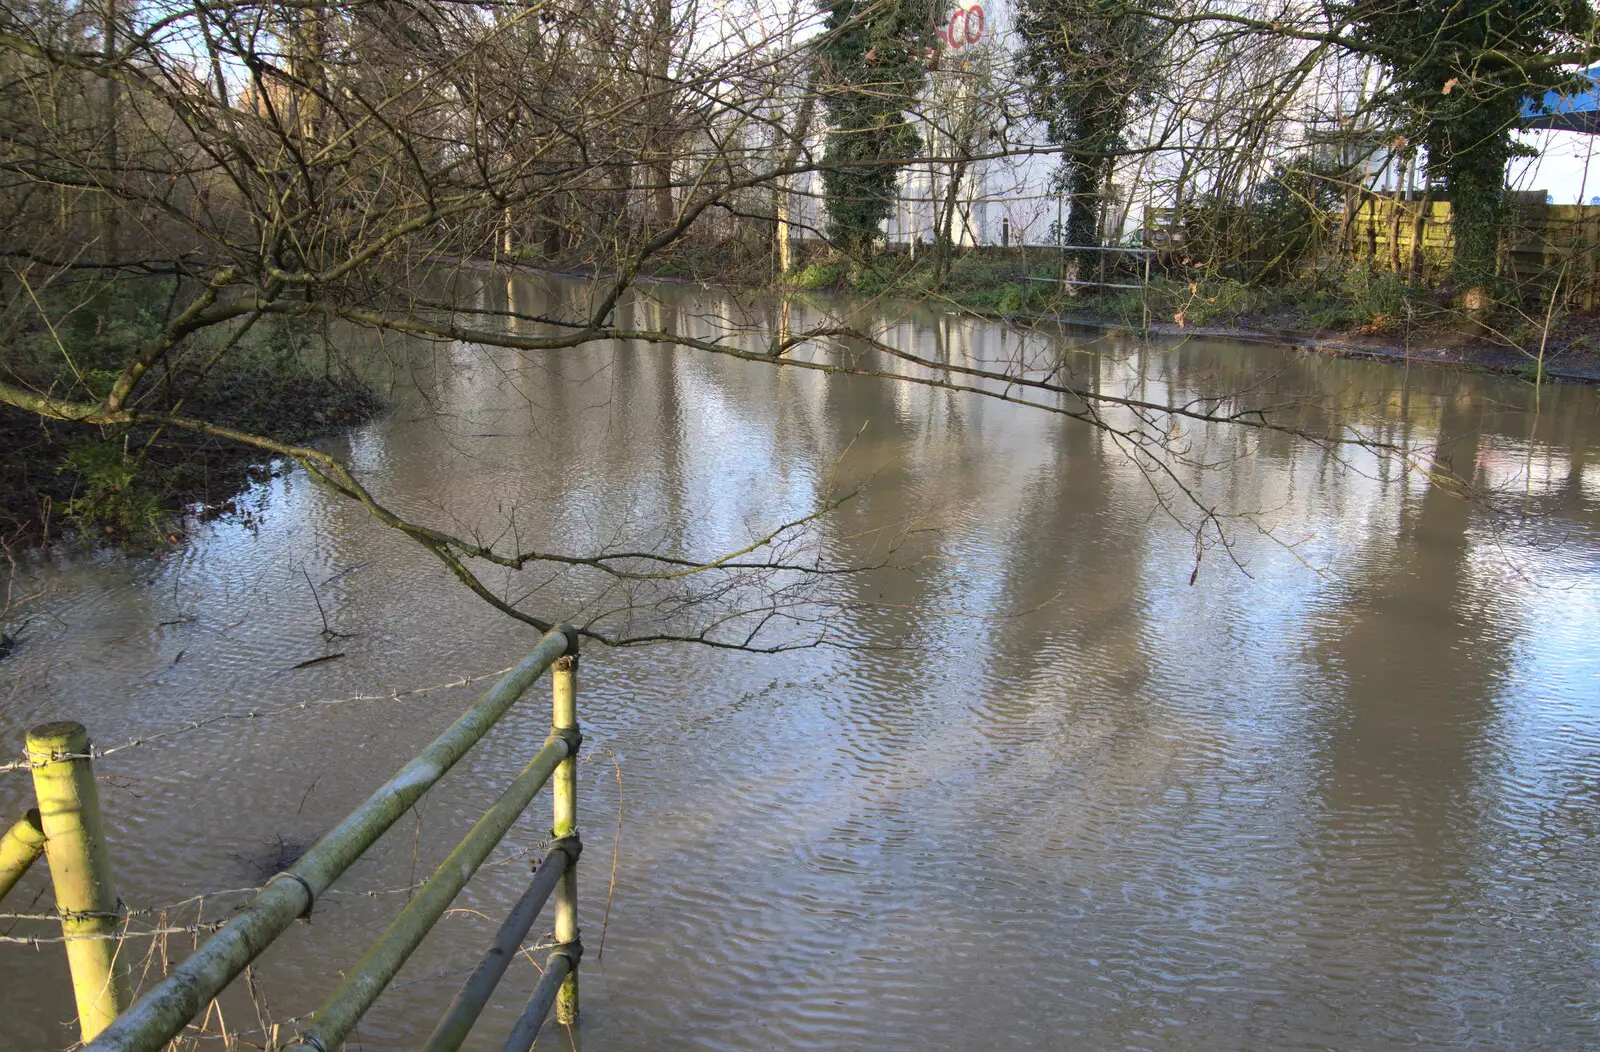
(161,1014)
(20,848)
(363,983)
(476,991)
(557,968)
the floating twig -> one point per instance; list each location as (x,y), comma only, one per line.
(318,660)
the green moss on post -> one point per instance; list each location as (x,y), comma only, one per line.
(564,691)
(22,844)
(80,870)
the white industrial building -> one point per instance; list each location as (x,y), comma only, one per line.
(1011,198)
(1002,199)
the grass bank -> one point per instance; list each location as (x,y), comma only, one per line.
(988,281)
(135,485)
(1375,308)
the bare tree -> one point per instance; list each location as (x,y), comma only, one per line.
(336,164)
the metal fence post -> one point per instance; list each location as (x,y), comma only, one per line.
(1144,294)
(564,691)
(80,870)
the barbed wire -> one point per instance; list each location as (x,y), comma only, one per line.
(203,928)
(126,913)
(146,911)
(95,753)
(520,855)
(199,927)
(230,1037)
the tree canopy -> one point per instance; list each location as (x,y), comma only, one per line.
(1461,72)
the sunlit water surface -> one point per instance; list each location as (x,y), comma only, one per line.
(1056,796)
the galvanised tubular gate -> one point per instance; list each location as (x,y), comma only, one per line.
(463,1011)
(21,845)
(163,1012)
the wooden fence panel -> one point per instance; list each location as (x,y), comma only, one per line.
(1543,244)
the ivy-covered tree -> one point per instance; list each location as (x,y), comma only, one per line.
(1462,70)
(871,66)
(1086,65)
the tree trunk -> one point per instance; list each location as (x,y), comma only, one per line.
(1478,209)
(791,155)
(658,118)
(1083,214)
(1419,230)
(1394,219)
(944,240)
(110,217)
(781,229)
(552,227)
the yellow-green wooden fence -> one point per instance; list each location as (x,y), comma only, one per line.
(1542,244)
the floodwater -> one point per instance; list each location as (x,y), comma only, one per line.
(1061,787)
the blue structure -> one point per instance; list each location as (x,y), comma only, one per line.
(1579,113)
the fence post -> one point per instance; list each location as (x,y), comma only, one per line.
(1144,294)
(564,692)
(22,844)
(80,870)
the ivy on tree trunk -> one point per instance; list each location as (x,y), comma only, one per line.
(1086,64)
(1462,71)
(871,67)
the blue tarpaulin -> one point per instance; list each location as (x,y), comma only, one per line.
(1580,112)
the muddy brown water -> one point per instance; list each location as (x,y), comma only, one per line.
(1344,797)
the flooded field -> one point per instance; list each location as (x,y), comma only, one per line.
(1340,791)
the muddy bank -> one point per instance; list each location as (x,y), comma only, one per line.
(1572,354)
(1568,359)
(135,485)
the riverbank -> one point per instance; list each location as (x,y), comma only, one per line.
(137,485)
(1566,359)
(1357,313)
